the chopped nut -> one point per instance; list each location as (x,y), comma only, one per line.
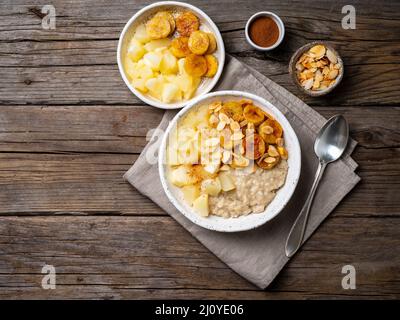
(235,126)
(272,151)
(269,160)
(279,142)
(221,125)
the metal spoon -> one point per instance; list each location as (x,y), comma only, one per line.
(329,145)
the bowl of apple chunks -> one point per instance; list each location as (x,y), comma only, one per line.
(225,131)
(169,54)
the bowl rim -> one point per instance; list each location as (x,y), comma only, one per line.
(203,15)
(207,223)
(278,21)
(301,50)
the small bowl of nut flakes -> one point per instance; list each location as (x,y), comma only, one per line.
(316,68)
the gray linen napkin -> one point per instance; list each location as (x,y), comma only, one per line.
(258,255)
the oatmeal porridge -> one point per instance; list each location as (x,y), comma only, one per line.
(253,192)
(228,158)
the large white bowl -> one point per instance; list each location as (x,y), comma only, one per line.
(206,24)
(251,221)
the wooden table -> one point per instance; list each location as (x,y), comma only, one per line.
(69,129)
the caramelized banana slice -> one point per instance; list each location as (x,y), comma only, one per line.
(195,65)
(169,17)
(212,65)
(186,23)
(233,109)
(179,47)
(254,146)
(266,162)
(158,27)
(213,43)
(270,130)
(198,42)
(253,114)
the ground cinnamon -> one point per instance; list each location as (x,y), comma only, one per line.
(264,31)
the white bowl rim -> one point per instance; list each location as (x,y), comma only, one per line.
(220,44)
(278,21)
(207,223)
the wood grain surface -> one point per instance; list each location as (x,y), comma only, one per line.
(69,129)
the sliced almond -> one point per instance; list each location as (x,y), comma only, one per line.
(308,84)
(235,126)
(213,119)
(221,125)
(237,136)
(333,74)
(279,142)
(215,105)
(267,129)
(331,56)
(272,151)
(243,123)
(223,117)
(226,156)
(318,51)
(269,160)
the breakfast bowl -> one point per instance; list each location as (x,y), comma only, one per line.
(258,200)
(316,68)
(153,54)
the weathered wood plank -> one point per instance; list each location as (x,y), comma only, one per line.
(52,67)
(104,19)
(122,129)
(135,259)
(85,184)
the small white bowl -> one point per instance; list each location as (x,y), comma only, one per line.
(250,221)
(205,24)
(277,20)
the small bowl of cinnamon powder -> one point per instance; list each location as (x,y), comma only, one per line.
(264,31)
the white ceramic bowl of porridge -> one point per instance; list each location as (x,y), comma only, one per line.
(206,24)
(246,221)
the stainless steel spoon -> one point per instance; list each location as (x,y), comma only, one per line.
(329,145)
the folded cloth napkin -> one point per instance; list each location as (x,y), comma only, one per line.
(258,255)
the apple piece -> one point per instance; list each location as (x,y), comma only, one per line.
(190,193)
(169,63)
(139,84)
(195,82)
(155,86)
(141,34)
(130,68)
(200,205)
(170,93)
(135,50)
(153,60)
(160,43)
(211,186)
(181,176)
(227,183)
(144,71)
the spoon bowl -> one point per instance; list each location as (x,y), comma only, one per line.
(332,139)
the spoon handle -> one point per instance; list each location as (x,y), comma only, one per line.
(296,234)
